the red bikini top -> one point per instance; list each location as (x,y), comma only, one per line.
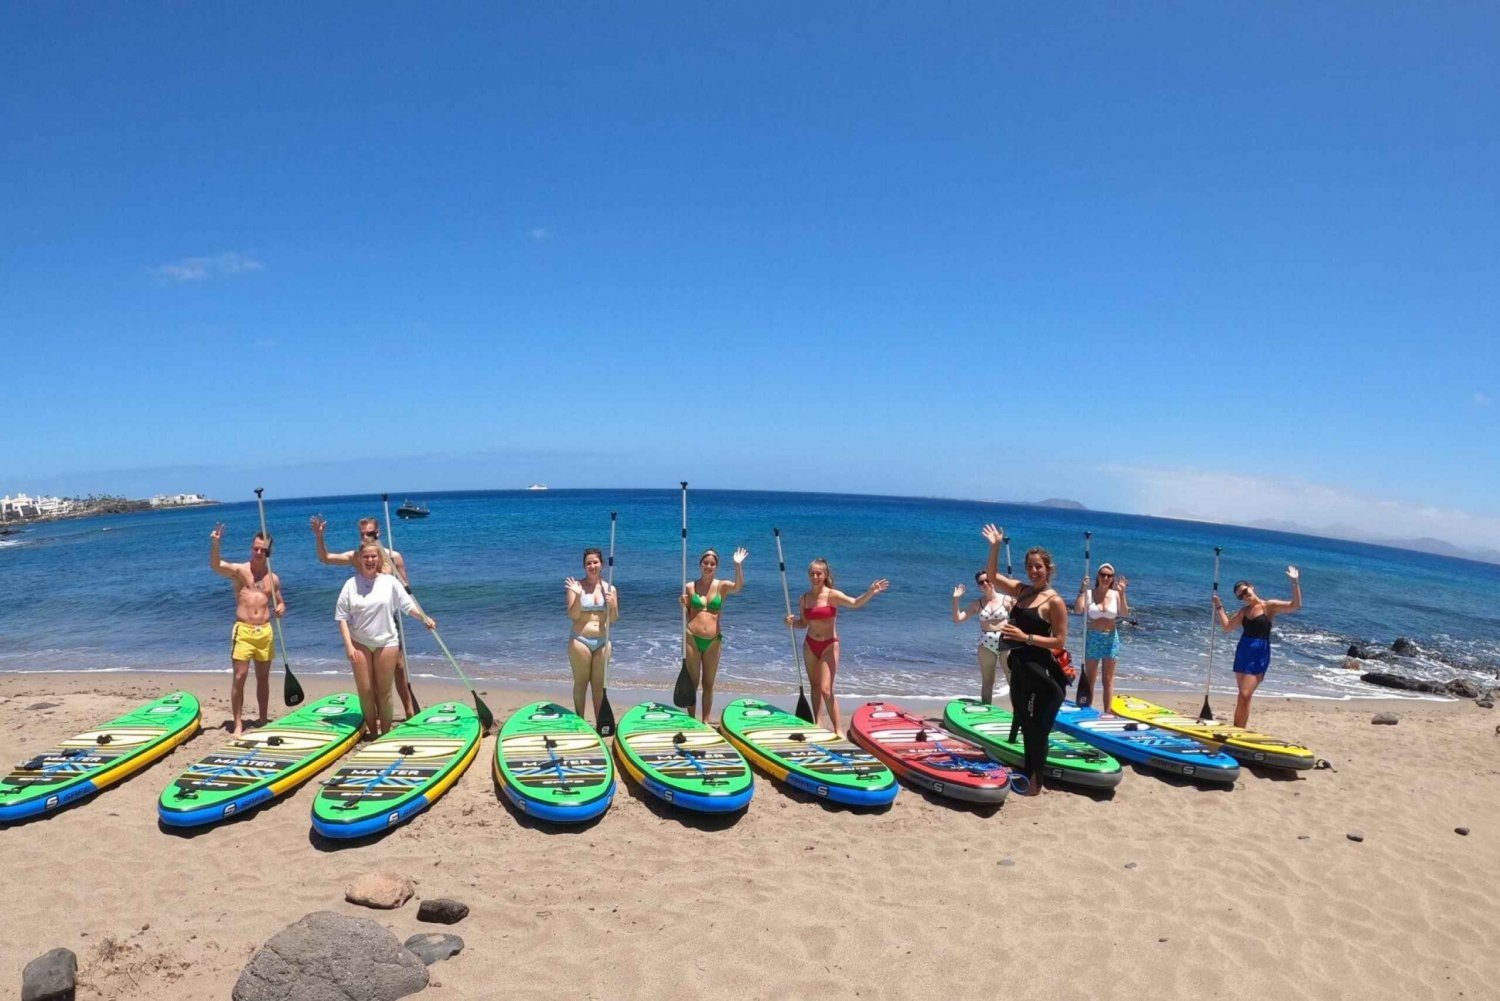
(820,612)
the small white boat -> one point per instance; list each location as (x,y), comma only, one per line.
(537,486)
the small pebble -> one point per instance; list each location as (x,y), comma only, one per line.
(1007,861)
(1355,835)
(1303,837)
(1385,719)
(1130,865)
(1461,830)
(1161,940)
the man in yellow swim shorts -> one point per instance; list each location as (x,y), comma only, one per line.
(257,593)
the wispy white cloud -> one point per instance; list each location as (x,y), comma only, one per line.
(540,233)
(197,269)
(1482,399)
(1238,499)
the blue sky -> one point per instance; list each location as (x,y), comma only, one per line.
(1233,261)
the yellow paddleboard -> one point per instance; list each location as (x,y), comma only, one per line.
(1245,746)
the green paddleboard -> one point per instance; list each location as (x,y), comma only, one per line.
(262,764)
(552,765)
(1069,760)
(390,780)
(807,757)
(89,761)
(682,761)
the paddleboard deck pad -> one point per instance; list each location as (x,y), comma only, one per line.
(552,765)
(929,756)
(394,778)
(806,757)
(1246,746)
(1146,745)
(95,759)
(262,764)
(681,760)
(1070,761)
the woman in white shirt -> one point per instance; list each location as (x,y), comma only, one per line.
(1104,605)
(366,613)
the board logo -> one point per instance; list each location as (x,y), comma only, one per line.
(331,710)
(52,802)
(230,809)
(164,710)
(393,819)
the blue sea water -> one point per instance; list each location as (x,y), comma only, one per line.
(134,592)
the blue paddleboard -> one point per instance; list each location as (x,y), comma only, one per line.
(1146,745)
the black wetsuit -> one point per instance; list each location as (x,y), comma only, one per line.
(1035,688)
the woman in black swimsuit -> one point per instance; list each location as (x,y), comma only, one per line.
(1038,626)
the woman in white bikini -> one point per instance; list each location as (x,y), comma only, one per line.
(1103,605)
(992,609)
(590,602)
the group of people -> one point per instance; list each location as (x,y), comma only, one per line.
(1023,630)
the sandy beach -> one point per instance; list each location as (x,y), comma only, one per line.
(1163,889)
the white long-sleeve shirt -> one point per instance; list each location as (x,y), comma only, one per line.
(370,607)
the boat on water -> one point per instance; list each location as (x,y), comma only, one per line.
(410,510)
(537,486)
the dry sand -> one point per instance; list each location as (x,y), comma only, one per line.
(1162,890)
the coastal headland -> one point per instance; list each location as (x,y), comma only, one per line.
(1162,889)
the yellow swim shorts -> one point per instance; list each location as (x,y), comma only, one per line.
(250,642)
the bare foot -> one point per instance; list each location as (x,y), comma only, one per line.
(238,731)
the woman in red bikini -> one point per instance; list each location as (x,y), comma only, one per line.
(819,608)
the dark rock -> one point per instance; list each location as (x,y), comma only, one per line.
(1486,703)
(331,957)
(1352,664)
(1385,719)
(385,890)
(1464,688)
(1355,835)
(1405,647)
(1130,865)
(1461,830)
(1304,837)
(442,911)
(434,947)
(50,977)
(44,705)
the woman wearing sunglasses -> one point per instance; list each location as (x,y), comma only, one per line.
(1253,654)
(1103,606)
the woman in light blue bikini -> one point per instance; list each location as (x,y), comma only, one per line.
(589,601)
(1103,604)
(704,598)
(992,609)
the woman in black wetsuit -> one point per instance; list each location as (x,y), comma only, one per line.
(1038,626)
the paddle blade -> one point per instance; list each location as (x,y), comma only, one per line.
(1086,688)
(486,718)
(606,719)
(1205,712)
(804,711)
(291,688)
(685,693)
(411,692)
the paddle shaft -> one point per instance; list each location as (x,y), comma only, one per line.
(390,555)
(609,587)
(1086,684)
(1213,628)
(786,596)
(278,627)
(684,574)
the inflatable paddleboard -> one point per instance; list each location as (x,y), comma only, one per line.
(262,764)
(807,757)
(927,755)
(1246,746)
(1146,745)
(552,765)
(394,778)
(94,759)
(1069,760)
(682,761)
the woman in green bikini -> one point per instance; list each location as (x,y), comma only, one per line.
(704,598)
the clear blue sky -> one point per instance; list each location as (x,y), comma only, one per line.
(1233,261)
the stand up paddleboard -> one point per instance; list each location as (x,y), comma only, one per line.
(1069,761)
(262,764)
(1146,745)
(552,765)
(1246,746)
(681,760)
(394,778)
(94,759)
(807,757)
(927,755)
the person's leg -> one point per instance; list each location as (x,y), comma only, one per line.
(987,661)
(263,691)
(1108,674)
(830,675)
(385,675)
(815,679)
(1004,661)
(364,683)
(596,677)
(237,696)
(1091,672)
(403,688)
(1023,697)
(1246,684)
(710,661)
(1046,698)
(581,660)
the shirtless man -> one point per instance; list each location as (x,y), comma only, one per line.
(369,528)
(257,593)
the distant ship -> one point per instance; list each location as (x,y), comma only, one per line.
(410,510)
(537,486)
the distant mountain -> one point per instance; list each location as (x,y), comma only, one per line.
(1437,547)
(1071,505)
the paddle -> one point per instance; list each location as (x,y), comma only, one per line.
(291,690)
(1213,627)
(1085,683)
(606,719)
(804,711)
(685,692)
(390,554)
(486,718)
(1008,571)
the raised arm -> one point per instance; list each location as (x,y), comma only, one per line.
(1120,585)
(215,564)
(844,601)
(1005,585)
(960,614)
(574,592)
(739,572)
(1284,607)
(324,556)
(1081,605)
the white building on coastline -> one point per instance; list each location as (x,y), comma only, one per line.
(178,500)
(23,506)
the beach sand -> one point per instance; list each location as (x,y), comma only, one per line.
(1163,889)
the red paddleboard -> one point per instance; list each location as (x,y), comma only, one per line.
(928,756)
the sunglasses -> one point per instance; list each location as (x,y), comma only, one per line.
(369,535)
(1242,593)
(1106,575)
(260,549)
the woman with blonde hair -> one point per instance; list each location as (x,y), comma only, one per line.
(366,613)
(1102,607)
(819,608)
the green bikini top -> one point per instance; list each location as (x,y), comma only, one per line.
(698,604)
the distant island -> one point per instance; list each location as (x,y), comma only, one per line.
(1348,533)
(1070,505)
(26,510)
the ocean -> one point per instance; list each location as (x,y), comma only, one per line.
(134,592)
